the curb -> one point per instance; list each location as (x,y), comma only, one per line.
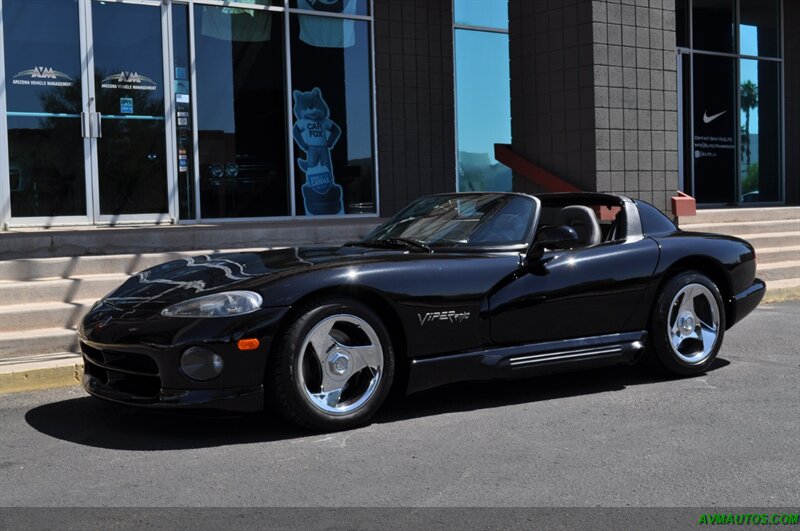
(42,375)
(781,295)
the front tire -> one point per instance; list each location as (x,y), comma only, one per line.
(687,325)
(333,367)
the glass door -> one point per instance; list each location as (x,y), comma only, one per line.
(128,111)
(87,120)
(48,150)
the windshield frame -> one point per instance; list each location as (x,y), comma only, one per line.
(521,247)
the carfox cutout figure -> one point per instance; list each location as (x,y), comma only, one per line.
(316,134)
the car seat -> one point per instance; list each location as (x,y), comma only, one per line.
(582,219)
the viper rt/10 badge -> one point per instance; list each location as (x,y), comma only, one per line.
(450,317)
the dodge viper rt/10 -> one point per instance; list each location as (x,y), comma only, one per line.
(468,286)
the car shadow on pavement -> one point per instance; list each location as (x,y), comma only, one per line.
(92,422)
(469,396)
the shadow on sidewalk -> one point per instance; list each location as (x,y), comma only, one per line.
(93,422)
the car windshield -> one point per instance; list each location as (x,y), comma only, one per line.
(482,220)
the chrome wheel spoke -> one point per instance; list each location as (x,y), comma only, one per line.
(321,340)
(708,336)
(330,384)
(677,341)
(330,396)
(370,357)
(687,304)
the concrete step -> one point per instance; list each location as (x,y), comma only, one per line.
(70,266)
(19,317)
(770,255)
(779,270)
(771,239)
(58,289)
(42,341)
(746,227)
(97,240)
(722,215)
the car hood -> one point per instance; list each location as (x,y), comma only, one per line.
(195,276)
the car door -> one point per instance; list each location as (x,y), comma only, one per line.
(574,293)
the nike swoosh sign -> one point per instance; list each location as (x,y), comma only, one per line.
(708,119)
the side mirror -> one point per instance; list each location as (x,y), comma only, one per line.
(553,237)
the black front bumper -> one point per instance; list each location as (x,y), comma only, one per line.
(141,376)
(236,400)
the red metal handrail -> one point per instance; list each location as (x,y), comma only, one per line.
(532,172)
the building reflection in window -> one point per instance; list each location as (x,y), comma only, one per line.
(241,113)
(483,108)
(759,163)
(43,96)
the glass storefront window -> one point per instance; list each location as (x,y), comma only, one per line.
(332,113)
(760,156)
(346,7)
(714,129)
(483,103)
(712,25)
(95,144)
(484,13)
(758,28)
(241,113)
(733,140)
(44,92)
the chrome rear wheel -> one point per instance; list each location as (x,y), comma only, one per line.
(687,325)
(693,323)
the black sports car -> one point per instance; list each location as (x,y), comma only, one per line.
(469,286)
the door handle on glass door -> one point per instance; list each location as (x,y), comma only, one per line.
(86,126)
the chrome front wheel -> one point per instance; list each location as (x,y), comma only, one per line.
(340,364)
(333,367)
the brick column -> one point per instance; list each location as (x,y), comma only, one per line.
(594,93)
(416,106)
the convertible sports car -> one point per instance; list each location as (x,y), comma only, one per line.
(469,286)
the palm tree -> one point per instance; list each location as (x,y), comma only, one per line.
(749,101)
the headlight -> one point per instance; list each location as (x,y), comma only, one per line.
(218,305)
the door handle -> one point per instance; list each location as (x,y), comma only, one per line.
(99,121)
(86,129)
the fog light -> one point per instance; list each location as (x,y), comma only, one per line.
(201,364)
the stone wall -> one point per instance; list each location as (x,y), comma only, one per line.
(416,106)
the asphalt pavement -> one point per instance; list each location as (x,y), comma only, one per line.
(609,437)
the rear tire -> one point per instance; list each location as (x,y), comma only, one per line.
(332,368)
(687,325)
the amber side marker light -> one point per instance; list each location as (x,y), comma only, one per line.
(250,343)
